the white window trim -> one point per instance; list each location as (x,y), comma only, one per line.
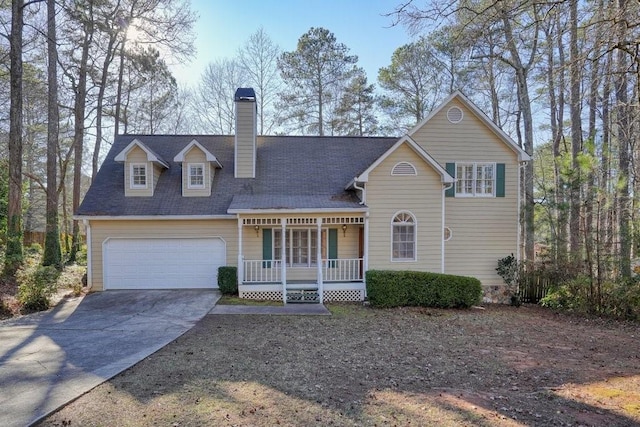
(204,176)
(312,255)
(475,165)
(415,238)
(146,176)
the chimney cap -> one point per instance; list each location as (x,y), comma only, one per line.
(245,94)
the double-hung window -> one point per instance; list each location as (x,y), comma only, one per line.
(403,237)
(196,175)
(138,175)
(301,246)
(475,179)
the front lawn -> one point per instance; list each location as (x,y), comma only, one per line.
(365,367)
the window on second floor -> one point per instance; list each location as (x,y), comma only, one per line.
(475,179)
(138,175)
(196,175)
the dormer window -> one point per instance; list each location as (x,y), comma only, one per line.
(198,169)
(138,175)
(142,169)
(196,175)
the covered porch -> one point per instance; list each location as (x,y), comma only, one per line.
(303,258)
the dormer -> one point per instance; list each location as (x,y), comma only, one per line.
(198,169)
(142,169)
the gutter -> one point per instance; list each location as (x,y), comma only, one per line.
(363,201)
(149,217)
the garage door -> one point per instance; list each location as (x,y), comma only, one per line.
(163,263)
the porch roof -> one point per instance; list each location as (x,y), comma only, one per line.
(281,202)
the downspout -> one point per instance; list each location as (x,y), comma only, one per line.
(444,190)
(87,226)
(519,208)
(363,191)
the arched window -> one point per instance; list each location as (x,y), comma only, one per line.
(403,237)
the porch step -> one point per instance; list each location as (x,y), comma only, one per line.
(303,293)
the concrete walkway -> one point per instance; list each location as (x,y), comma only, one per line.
(287,310)
(48,359)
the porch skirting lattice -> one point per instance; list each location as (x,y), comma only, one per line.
(336,295)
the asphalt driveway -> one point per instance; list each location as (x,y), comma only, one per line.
(50,358)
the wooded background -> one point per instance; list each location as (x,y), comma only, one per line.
(561,77)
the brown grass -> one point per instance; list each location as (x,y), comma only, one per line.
(365,367)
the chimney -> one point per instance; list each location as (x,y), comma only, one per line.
(246,128)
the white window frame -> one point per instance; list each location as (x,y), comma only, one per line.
(311,250)
(190,185)
(472,191)
(394,226)
(132,176)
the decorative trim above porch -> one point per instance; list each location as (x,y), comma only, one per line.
(303,220)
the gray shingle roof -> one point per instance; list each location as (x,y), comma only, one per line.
(291,172)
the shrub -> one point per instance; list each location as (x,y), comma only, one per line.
(612,298)
(414,288)
(228,280)
(36,287)
(509,268)
(33,249)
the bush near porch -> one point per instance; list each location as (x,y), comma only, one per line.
(416,288)
(228,280)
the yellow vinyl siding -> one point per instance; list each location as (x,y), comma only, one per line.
(484,228)
(195,155)
(469,140)
(245,139)
(421,195)
(137,155)
(101,230)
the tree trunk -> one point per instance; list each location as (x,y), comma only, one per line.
(524,104)
(52,255)
(78,136)
(624,155)
(576,135)
(13,256)
(116,128)
(108,57)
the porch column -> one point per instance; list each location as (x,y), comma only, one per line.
(240,255)
(283,259)
(365,244)
(319,261)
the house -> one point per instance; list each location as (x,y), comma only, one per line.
(304,217)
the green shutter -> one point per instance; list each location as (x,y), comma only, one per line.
(333,245)
(451,170)
(500,180)
(267,246)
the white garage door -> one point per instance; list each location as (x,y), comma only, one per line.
(163,263)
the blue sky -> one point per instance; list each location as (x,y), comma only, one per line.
(225,25)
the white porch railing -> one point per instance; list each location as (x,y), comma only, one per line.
(333,270)
(261,271)
(342,270)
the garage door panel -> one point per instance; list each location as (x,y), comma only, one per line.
(163,263)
